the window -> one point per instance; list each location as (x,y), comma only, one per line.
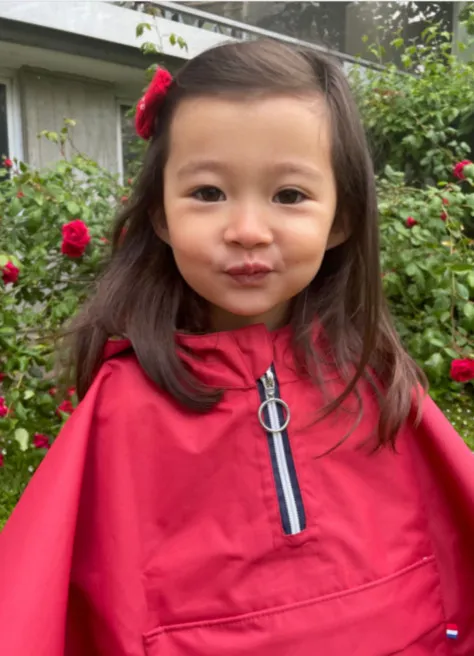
(130,145)
(4,149)
(11,142)
(337,25)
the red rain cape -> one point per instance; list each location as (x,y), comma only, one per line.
(150,530)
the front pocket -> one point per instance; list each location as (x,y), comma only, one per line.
(399,614)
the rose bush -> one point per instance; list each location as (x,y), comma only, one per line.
(54,236)
(428,266)
(421,127)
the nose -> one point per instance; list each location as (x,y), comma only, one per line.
(248,227)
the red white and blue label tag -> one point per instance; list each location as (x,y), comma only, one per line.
(452,631)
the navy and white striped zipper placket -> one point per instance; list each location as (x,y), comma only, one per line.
(274,416)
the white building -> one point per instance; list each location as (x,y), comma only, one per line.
(81,59)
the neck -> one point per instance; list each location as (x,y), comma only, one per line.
(221,320)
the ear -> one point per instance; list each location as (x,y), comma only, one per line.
(161,229)
(336,238)
(163,233)
(340,232)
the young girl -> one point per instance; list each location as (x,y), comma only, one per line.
(253,468)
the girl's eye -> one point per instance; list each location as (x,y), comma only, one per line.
(209,195)
(289,197)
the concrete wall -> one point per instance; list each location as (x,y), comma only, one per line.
(48,98)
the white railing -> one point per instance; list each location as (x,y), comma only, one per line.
(234,29)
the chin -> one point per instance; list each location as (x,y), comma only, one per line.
(248,312)
(239,316)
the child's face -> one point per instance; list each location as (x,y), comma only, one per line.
(250,198)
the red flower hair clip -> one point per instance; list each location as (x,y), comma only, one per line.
(149,104)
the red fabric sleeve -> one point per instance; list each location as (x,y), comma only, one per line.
(445,471)
(71,546)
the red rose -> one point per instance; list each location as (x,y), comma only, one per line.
(150,103)
(104,240)
(458,169)
(75,238)
(410,222)
(53,391)
(443,216)
(124,199)
(66,407)
(3,407)
(2,462)
(10,273)
(2,377)
(20,194)
(130,181)
(41,441)
(71,391)
(462,370)
(445,201)
(8,163)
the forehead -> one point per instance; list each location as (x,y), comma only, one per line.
(248,130)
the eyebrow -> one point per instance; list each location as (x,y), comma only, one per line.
(199,166)
(280,168)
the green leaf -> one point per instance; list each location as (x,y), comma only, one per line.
(412,269)
(469,171)
(468,310)
(435,363)
(20,411)
(73,208)
(29,394)
(435,341)
(462,290)
(450,353)
(22,437)
(46,400)
(397,43)
(461,268)
(149,48)
(141,27)
(15,207)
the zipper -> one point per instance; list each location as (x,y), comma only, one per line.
(274,416)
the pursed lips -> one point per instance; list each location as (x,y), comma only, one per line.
(249,273)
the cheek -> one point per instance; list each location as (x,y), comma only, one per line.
(186,236)
(191,248)
(191,234)
(305,241)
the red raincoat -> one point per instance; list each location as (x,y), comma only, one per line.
(151,530)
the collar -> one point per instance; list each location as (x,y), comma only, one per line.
(231,359)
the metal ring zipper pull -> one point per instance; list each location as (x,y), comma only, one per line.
(261,419)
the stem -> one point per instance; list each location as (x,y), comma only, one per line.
(453,297)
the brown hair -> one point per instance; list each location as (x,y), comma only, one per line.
(142,295)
